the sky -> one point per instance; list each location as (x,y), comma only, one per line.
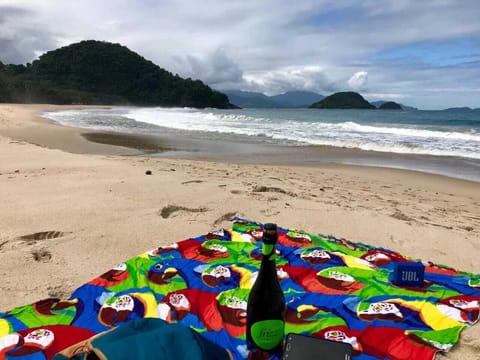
(420,53)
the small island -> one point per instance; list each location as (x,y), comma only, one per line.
(343,100)
(390,105)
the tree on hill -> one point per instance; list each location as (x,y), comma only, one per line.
(98,72)
(343,100)
(4,93)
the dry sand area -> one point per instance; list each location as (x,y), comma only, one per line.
(71,209)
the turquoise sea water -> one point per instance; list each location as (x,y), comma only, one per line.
(448,135)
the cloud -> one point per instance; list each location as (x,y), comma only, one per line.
(384,96)
(358,80)
(20,41)
(272,46)
(312,78)
(215,69)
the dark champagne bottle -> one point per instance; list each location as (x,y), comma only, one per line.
(266,303)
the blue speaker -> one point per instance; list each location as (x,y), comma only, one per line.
(408,274)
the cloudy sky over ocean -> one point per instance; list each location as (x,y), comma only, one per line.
(420,53)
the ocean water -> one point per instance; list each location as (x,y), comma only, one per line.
(449,135)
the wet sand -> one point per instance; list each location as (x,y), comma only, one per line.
(255,153)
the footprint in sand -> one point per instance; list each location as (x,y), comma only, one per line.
(168,210)
(401,216)
(41,255)
(3,243)
(262,189)
(192,182)
(59,292)
(31,239)
(225,217)
(270,212)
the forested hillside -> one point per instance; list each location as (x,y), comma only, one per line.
(97,72)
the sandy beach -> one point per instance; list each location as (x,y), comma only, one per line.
(72,208)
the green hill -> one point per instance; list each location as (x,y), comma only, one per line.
(379,103)
(343,100)
(390,105)
(97,72)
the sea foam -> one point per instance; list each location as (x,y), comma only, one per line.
(399,132)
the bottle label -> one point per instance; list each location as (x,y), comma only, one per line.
(267,334)
(268,251)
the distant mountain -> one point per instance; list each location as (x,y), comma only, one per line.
(343,100)
(296,99)
(390,105)
(98,72)
(247,99)
(291,99)
(461,109)
(379,103)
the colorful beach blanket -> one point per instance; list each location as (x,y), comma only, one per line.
(334,289)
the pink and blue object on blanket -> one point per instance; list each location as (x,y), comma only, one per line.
(334,289)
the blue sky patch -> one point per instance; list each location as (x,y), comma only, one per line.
(453,52)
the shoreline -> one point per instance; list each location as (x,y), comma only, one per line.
(101,208)
(96,142)
(192,148)
(269,154)
(48,133)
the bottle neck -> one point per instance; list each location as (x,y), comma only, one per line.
(268,266)
(268,252)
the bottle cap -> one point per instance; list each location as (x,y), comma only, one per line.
(269,233)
